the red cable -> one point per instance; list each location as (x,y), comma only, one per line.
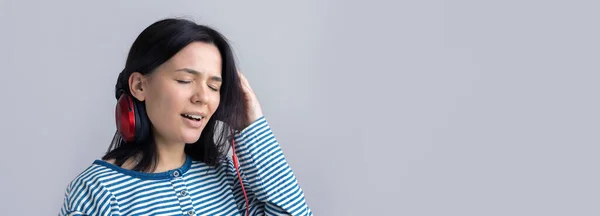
(235,164)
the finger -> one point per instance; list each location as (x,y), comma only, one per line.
(242,77)
(244,81)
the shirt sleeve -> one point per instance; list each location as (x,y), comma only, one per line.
(268,179)
(84,197)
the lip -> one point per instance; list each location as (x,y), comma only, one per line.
(196,113)
(193,123)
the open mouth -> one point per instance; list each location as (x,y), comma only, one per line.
(192,117)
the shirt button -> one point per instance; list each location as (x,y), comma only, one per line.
(191,212)
(183,193)
(176,173)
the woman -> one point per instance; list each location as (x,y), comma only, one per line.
(181,105)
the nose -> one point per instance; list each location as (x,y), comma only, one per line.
(200,95)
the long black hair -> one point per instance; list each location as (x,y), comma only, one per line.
(154,46)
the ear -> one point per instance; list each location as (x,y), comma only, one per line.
(137,84)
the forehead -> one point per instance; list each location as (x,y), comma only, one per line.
(197,56)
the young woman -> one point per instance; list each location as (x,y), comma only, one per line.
(181,106)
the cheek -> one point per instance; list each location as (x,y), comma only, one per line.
(214,104)
(160,106)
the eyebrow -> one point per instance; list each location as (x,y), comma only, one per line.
(195,72)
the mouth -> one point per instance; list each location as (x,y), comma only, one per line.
(193,117)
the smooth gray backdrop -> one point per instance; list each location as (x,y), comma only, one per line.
(430,107)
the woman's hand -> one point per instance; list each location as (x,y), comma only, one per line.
(254,110)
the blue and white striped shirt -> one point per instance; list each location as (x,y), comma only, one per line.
(195,188)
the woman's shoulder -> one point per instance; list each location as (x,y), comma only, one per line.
(79,189)
(86,188)
(92,175)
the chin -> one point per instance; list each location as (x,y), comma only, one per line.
(190,138)
(189,135)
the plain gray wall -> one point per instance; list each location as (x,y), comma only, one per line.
(382,107)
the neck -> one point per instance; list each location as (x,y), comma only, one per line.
(170,155)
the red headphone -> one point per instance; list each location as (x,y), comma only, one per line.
(134,126)
(130,115)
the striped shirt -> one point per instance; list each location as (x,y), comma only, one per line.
(195,188)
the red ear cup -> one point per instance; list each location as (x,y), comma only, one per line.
(132,122)
(125,118)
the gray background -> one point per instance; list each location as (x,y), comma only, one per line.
(458,107)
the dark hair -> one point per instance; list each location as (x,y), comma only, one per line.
(154,46)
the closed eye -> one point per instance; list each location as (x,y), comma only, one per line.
(214,88)
(183,81)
